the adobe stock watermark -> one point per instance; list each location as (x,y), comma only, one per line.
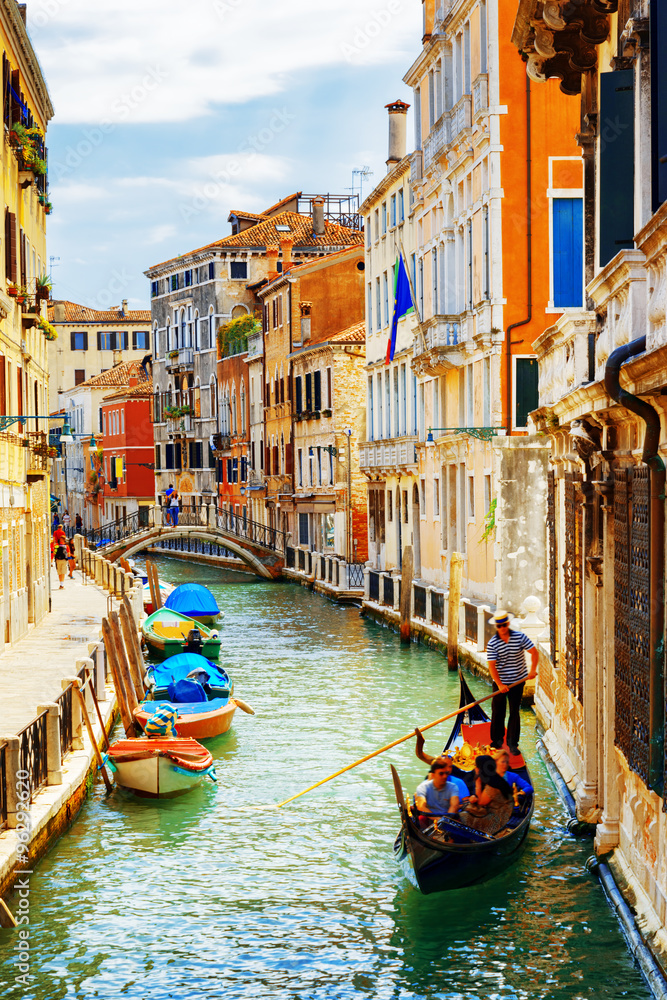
(22,885)
(121,109)
(252,145)
(366,33)
(224,7)
(112,293)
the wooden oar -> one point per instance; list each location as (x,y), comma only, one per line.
(402,739)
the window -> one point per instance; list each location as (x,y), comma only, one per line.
(370,308)
(436,498)
(422,497)
(187,279)
(401,206)
(568,252)
(393,210)
(174,283)
(405,506)
(387,403)
(329,389)
(154,289)
(378,305)
(106,341)
(140,340)
(434,276)
(303,529)
(367,227)
(317,389)
(369,409)
(79,376)
(377,223)
(300,456)
(309,391)
(239,270)
(211,271)
(385,297)
(384,217)
(79,341)
(471,497)
(378,400)
(390,506)
(525,389)
(487,494)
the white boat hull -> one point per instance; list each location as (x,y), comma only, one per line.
(155,777)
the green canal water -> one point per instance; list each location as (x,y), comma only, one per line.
(205,897)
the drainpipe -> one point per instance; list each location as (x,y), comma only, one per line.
(529,261)
(656,466)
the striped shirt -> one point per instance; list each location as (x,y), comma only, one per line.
(509,656)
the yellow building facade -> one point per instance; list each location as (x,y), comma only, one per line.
(24,460)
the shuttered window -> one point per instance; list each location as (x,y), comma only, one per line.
(568,252)
(617,159)
(10,246)
(79,341)
(299,394)
(309,391)
(140,340)
(659,102)
(525,390)
(317,381)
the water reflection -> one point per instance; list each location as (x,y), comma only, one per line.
(209,896)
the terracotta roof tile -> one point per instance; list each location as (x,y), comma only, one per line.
(75,313)
(283,201)
(265,234)
(237,213)
(116,377)
(142,389)
(353,335)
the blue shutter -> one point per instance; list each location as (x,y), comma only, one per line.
(617,163)
(659,102)
(568,252)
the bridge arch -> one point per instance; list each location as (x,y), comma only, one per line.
(154,535)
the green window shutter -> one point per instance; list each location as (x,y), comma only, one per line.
(617,163)
(525,390)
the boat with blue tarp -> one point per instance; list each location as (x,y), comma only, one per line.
(194,601)
(199,691)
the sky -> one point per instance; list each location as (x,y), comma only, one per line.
(168,115)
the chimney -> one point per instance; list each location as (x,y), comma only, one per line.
(398,111)
(123,307)
(318,216)
(133,380)
(286,245)
(58,312)
(272,260)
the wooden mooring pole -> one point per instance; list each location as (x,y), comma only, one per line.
(407,569)
(455,582)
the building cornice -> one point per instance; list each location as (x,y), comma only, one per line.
(32,71)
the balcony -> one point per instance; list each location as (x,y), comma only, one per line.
(437,140)
(565,356)
(181,360)
(37,455)
(480,94)
(461,117)
(440,347)
(394,454)
(619,294)
(222,445)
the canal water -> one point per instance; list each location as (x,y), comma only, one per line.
(219,895)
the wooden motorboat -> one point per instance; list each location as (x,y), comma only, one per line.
(160,768)
(167,633)
(194,601)
(165,590)
(448,855)
(200,692)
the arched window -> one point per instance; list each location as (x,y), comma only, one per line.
(168,336)
(242,409)
(195,343)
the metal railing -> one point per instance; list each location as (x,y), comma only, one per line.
(355,575)
(420,602)
(32,753)
(374,586)
(471,622)
(64,702)
(302,560)
(289,557)
(250,531)
(438,608)
(388,591)
(3,785)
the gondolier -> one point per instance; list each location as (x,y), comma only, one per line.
(505,655)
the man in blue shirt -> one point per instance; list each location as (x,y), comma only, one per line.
(438,795)
(505,655)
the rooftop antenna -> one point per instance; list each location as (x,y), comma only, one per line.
(361,172)
(52,261)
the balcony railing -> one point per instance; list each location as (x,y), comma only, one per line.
(183,358)
(392,453)
(437,139)
(480,94)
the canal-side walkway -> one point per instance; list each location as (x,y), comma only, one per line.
(46,754)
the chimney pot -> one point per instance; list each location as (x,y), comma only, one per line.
(318,216)
(286,245)
(398,111)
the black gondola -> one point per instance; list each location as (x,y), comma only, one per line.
(467,856)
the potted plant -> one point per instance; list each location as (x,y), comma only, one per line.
(12,290)
(47,329)
(43,286)
(172,354)
(48,208)
(20,294)
(52,451)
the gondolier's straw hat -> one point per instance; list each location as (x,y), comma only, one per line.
(500,618)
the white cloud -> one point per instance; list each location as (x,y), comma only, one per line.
(177,64)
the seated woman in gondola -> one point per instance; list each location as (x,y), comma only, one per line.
(490,808)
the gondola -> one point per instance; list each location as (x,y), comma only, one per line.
(455,856)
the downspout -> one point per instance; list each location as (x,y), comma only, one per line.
(529,261)
(656,466)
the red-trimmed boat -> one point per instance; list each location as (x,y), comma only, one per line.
(450,855)
(160,768)
(199,691)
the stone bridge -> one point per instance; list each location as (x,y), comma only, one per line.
(261,548)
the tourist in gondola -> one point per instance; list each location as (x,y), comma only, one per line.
(505,654)
(438,795)
(502,759)
(490,808)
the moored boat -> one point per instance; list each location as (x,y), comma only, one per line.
(449,855)
(168,633)
(200,692)
(160,768)
(194,601)
(165,590)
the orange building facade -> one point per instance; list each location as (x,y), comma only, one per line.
(495,202)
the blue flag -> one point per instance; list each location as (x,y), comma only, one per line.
(403,304)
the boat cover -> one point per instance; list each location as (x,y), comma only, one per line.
(185,751)
(192,599)
(178,667)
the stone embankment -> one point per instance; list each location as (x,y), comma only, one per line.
(46,755)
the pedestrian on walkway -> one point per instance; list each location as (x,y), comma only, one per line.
(71,558)
(78,524)
(67,520)
(60,556)
(506,659)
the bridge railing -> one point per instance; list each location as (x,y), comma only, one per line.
(206,516)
